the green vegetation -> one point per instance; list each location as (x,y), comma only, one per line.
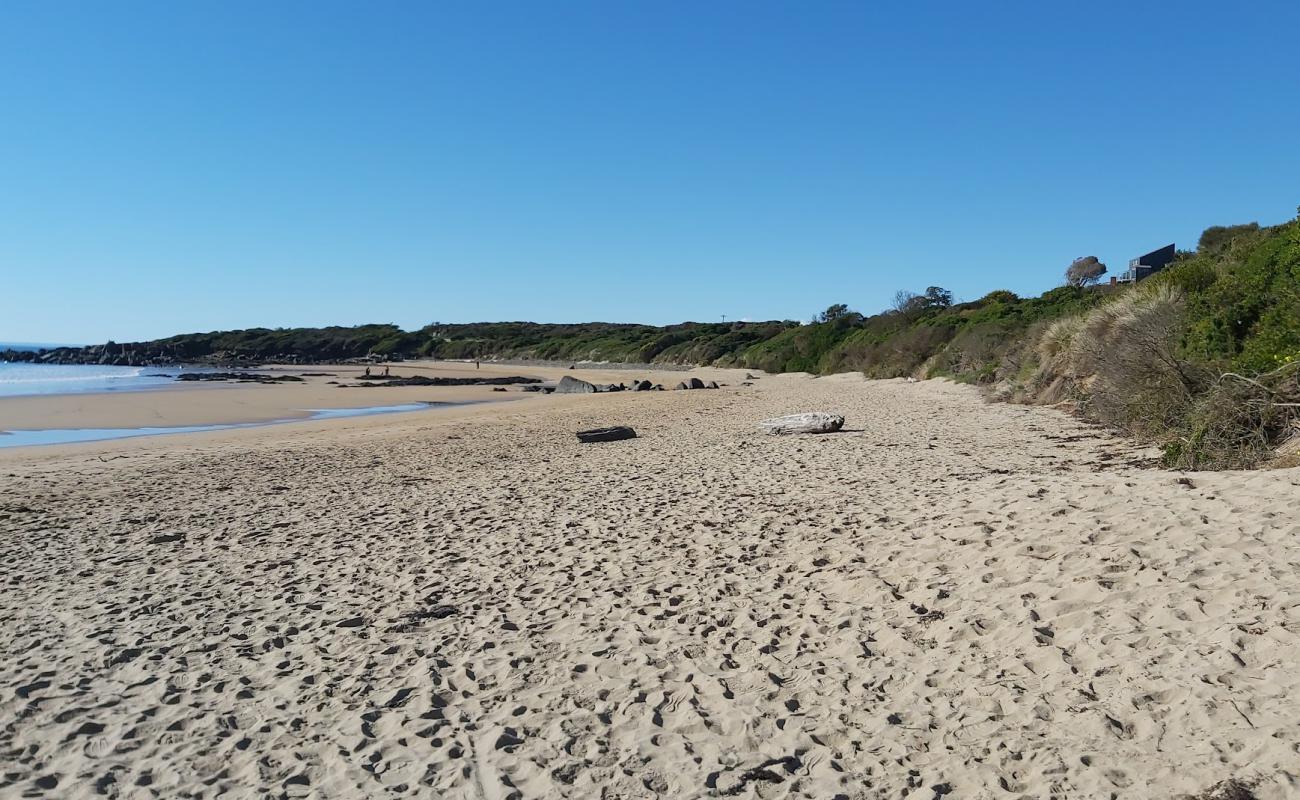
(266,343)
(687,343)
(1203,357)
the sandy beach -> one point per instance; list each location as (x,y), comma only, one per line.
(216,403)
(947,599)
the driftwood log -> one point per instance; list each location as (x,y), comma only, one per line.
(613,434)
(812,422)
(571,385)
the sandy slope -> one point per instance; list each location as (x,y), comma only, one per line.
(949,599)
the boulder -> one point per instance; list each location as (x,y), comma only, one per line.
(681,386)
(696,383)
(642,386)
(571,385)
(812,422)
(711,385)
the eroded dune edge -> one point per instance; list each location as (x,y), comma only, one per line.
(948,597)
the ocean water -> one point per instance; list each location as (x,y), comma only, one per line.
(70,435)
(31,346)
(18,379)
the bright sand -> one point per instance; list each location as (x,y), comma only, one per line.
(973,600)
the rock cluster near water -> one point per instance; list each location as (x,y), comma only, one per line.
(571,385)
(238,377)
(424,380)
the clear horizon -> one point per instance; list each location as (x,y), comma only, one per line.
(207,166)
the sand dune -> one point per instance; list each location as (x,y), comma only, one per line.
(946,599)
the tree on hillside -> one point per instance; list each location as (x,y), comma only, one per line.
(837,311)
(907,302)
(910,304)
(937,297)
(1084,271)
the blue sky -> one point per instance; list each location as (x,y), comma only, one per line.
(169,167)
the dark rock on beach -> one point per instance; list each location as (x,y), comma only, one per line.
(238,377)
(696,383)
(424,380)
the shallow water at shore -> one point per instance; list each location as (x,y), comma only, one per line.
(25,438)
(20,379)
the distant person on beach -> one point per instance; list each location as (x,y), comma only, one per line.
(476,365)
(385,372)
(367,372)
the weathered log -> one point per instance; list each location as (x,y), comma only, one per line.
(812,422)
(571,385)
(614,434)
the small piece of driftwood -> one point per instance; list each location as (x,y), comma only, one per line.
(812,422)
(613,434)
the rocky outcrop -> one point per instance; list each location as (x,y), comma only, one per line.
(424,380)
(237,377)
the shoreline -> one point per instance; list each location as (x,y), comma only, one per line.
(54,437)
(186,405)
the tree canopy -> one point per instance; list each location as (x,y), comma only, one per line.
(1084,271)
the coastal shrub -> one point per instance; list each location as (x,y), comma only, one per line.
(1128,350)
(1243,298)
(1217,238)
(1239,421)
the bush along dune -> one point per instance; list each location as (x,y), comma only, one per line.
(1203,357)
